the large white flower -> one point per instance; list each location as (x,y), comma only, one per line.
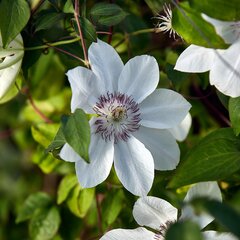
(223,64)
(10,63)
(132,122)
(159,214)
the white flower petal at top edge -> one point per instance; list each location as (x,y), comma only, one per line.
(82,82)
(225,73)
(195,59)
(162,145)
(154,212)
(203,189)
(163,109)
(180,132)
(139,77)
(228,30)
(10,64)
(106,64)
(129,234)
(134,166)
(212,235)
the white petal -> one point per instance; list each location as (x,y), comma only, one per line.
(195,59)
(68,154)
(154,212)
(10,64)
(162,145)
(139,77)
(101,159)
(129,234)
(8,76)
(106,64)
(180,132)
(163,109)
(10,55)
(225,73)
(134,166)
(82,82)
(212,235)
(203,189)
(228,30)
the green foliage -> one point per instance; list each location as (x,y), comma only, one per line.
(224,214)
(80,200)
(44,224)
(34,202)
(215,157)
(234,112)
(219,9)
(184,231)
(194,29)
(112,206)
(65,187)
(76,131)
(14,16)
(107,14)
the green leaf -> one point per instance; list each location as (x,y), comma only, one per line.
(44,133)
(219,9)
(234,112)
(65,187)
(14,16)
(31,204)
(184,231)
(222,213)
(88,30)
(112,20)
(215,157)
(105,9)
(112,206)
(80,200)
(45,161)
(194,29)
(47,20)
(58,141)
(44,224)
(77,133)
(107,14)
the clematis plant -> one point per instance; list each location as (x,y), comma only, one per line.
(132,120)
(223,64)
(10,63)
(158,214)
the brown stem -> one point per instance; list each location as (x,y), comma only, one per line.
(37,7)
(99,213)
(76,14)
(66,52)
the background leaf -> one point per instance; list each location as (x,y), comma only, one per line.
(234,113)
(31,204)
(14,16)
(194,29)
(219,9)
(215,157)
(44,224)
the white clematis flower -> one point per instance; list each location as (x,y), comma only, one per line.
(10,63)
(223,64)
(133,119)
(159,214)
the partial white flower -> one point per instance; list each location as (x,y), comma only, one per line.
(159,214)
(133,119)
(10,63)
(223,64)
(165,22)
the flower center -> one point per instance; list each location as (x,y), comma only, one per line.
(160,235)
(118,116)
